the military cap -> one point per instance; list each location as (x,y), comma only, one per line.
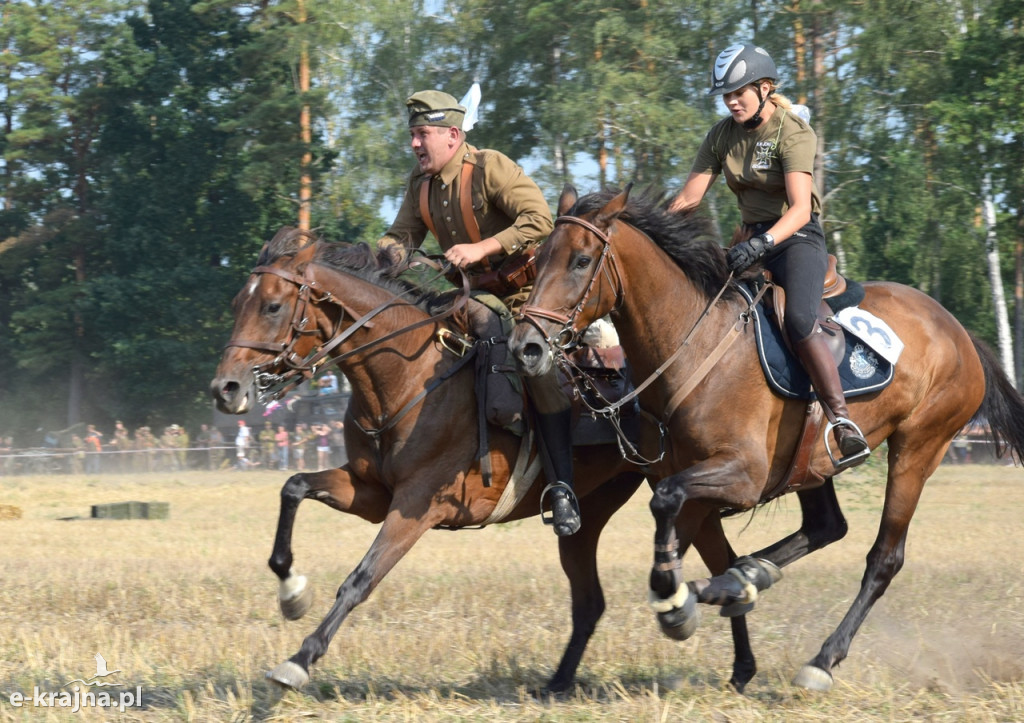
(434,108)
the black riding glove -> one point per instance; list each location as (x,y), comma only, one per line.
(746,253)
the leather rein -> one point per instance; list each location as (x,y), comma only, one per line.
(568,336)
(271,385)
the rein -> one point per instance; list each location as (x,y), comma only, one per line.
(611,412)
(271,386)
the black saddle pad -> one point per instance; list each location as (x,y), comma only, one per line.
(862,371)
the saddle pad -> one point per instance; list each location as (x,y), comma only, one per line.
(862,370)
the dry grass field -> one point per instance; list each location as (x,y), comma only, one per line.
(471,624)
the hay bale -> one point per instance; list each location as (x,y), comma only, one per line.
(132,511)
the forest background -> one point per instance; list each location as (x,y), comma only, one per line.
(149,149)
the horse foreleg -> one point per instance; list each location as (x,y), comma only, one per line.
(822,524)
(674,603)
(578,555)
(716,552)
(337,488)
(396,537)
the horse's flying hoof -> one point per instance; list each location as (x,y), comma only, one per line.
(678,618)
(289,675)
(295,597)
(812,677)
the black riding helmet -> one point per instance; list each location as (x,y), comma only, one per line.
(739,65)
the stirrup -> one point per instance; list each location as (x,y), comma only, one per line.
(572,525)
(852,460)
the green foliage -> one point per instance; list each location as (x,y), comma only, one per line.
(148,150)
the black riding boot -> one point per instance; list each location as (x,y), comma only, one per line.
(820,366)
(554,437)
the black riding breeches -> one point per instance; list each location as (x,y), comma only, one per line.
(798,265)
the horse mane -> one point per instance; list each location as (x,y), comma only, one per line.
(691,240)
(357,259)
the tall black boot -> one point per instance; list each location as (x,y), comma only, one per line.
(820,365)
(554,438)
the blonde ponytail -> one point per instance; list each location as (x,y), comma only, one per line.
(780,100)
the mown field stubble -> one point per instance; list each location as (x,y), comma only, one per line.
(471,624)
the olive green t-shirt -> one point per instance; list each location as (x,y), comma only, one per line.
(755,162)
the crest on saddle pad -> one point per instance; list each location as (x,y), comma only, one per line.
(868,363)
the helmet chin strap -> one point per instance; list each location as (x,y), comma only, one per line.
(755,120)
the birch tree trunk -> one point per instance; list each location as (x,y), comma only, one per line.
(996,279)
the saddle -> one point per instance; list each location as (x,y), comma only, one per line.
(837,294)
(487,324)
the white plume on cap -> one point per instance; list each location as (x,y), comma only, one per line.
(471,102)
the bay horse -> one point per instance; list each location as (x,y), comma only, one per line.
(412,454)
(663,279)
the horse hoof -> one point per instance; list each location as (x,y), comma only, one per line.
(681,621)
(812,677)
(295,597)
(289,675)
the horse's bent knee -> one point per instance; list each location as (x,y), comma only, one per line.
(295,489)
(665,504)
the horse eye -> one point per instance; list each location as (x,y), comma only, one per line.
(273,308)
(583,262)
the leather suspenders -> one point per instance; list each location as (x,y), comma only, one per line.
(465,206)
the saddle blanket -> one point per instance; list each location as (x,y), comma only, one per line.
(872,349)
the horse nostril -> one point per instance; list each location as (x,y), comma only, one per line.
(531,352)
(222,389)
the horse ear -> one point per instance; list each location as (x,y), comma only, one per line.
(567,200)
(613,208)
(304,256)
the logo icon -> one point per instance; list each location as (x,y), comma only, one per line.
(101,672)
(83,693)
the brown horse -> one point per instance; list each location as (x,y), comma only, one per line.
(411,430)
(730,438)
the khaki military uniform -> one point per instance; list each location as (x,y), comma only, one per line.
(507,205)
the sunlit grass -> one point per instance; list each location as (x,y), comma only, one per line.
(470,625)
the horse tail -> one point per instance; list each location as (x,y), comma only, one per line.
(1003,406)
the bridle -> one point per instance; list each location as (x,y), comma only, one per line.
(271,384)
(568,336)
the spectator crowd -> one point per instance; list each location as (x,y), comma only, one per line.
(91,451)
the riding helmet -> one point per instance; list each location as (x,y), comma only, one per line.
(739,65)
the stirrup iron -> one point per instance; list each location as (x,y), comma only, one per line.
(854,459)
(550,519)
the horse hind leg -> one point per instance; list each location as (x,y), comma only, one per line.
(822,524)
(907,474)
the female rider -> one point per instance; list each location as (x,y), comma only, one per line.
(767,155)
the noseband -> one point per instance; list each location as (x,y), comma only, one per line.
(568,335)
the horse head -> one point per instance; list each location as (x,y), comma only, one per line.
(278,324)
(577,282)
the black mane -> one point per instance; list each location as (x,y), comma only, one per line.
(691,240)
(358,259)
